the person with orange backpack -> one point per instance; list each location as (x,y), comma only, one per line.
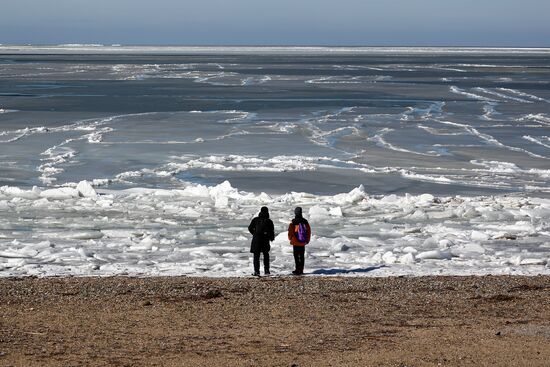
(299,234)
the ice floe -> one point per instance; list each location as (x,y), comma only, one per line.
(201,230)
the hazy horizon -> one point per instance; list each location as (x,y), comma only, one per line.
(167,45)
(407,23)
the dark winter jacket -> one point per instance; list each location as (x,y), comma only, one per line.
(260,241)
(292,228)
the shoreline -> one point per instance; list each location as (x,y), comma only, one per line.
(276,321)
(321,274)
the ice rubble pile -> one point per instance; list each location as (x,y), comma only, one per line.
(201,230)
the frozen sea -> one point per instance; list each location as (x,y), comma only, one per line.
(152,161)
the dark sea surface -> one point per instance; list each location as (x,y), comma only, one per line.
(438,121)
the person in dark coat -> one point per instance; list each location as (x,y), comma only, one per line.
(299,240)
(263,232)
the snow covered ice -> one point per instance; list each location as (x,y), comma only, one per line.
(201,230)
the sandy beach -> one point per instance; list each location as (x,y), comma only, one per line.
(277,321)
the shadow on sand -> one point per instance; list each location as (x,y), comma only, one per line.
(346,271)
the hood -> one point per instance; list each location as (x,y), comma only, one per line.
(299,219)
(264,213)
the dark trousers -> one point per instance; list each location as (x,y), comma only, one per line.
(257,261)
(299,252)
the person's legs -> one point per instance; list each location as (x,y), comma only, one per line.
(266,262)
(301,259)
(298,252)
(257,262)
(295,252)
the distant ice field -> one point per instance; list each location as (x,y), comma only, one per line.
(152,161)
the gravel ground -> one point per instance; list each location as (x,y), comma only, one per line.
(277,321)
